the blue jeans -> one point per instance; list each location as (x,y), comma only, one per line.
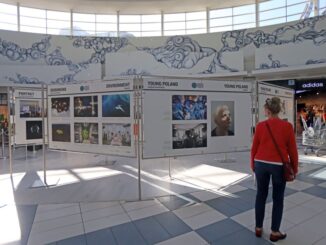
(263,172)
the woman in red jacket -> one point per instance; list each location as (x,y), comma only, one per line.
(266,162)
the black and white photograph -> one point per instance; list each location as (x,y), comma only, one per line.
(222,118)
(61,132)
(86,106)
(189,107)
(60,107)
(116,134)
(189,135)
(33,130)
(30,108)
(86,133)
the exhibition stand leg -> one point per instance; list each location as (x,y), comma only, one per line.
(138,114)
(45,183)
(9,92)
(109,162)
(170,168)
(3,156)
(170,175)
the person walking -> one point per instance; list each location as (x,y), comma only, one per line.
(266,163)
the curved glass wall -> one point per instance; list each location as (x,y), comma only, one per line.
(21,18)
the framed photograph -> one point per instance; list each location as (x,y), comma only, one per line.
(60,107)
(33,130)
(61,132)
(86,133)
(85,106)
(117,134)
(116,105)
(189,107)
(222,118)
(30,108)
(189,135)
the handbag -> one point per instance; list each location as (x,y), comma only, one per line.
(288,171)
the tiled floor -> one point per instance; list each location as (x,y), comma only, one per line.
(222,215)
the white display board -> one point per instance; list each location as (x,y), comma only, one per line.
(178,117)
(93,117)
(286,95)
(28,124)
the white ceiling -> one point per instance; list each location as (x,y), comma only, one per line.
(128,6)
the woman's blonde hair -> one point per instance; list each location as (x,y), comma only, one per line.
(273,104)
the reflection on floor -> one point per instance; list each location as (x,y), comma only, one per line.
(205,202)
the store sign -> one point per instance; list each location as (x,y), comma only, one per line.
(312,85)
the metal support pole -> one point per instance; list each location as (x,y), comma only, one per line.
(137,113)
(43,137)
(3,143)
(39,183)
(9,90)
(170,168)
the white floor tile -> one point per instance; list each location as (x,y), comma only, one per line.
(10,225)
(56,213)
(299,235)
(191,238)
(51,224)
(147,211)
(323,184)
(247,218)
(55,234)
(317,204)
(96,205)
(234,188)
(106,222)
(103,212)
(51,207)
(203,219)
(299,214)
(299,197)
(129,206)
(193,210)
(316,224)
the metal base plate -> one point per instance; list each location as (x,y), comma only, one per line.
(40,183)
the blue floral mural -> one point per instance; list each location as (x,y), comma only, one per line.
(16,53)
(101,46)
(56,58)
(20,79)
(23,79)
(180,52)
(304,30)
(310,62)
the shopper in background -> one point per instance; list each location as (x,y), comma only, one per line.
(310,116)
(266,162)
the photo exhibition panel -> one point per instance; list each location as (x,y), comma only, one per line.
(27,117)
(182,117)
(266,91)
(96,117)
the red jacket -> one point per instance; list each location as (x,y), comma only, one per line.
(264,149)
